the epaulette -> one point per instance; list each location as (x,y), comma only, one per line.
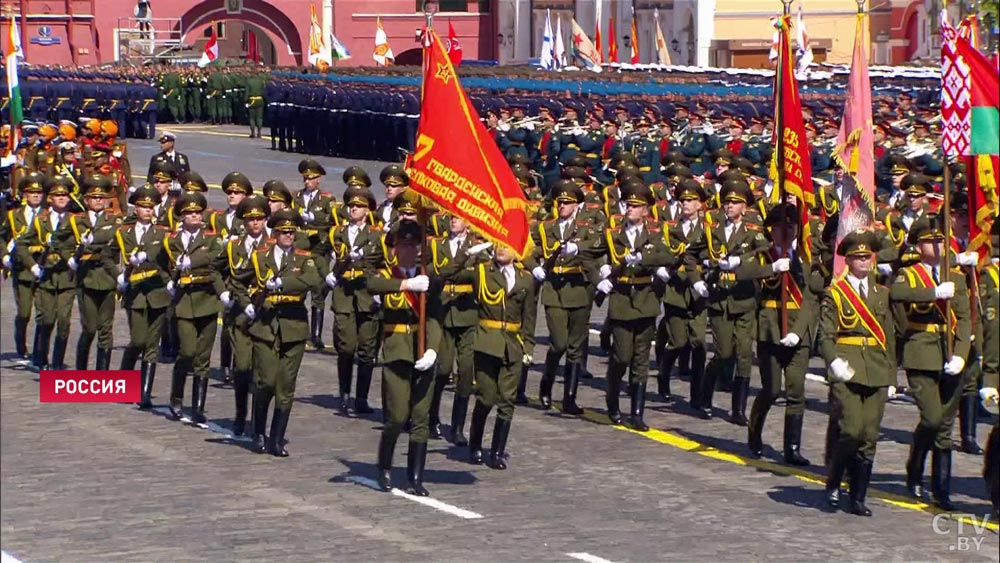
(266,246)
(174,234)
(752,226)
(671,223)
(302,252)
(209,232)
(325,194)
(653,228)
(879,226)
(374,228)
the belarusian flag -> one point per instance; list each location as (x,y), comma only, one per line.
(13,53)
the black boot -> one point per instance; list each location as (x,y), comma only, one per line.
(177,391)
(615,374)
(915,465)
(459,408)
(860,476)
(585,353)
(571,379)
(386,447)
(261,404)
(416,458)
(666,365)
(364,385)
(479,414)
(741,390)
(59,352)
(83,350)
(103,359)
(967,421)
(941,479)
(754,440)
(697,374)
(148,372)
(548,378)
(317,327)
(21,338)
(241,389)
(129,357)
(498,455)
(198,392)
(522,384)
(638,396)
(276,441)
(226,358)
(40,353)
(435,409)
(345,373)
(793,440)
(835,475)
(706,390)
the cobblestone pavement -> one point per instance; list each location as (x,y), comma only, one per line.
(108,482)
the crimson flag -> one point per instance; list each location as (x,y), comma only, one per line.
(453,48)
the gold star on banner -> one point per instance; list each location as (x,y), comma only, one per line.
(443,73)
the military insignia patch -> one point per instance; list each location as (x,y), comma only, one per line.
(991,313)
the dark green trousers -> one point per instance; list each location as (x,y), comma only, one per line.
(276,368)
(684,329)
(97,315)
(630,345)
(734,336)
(356,334)
(457,345)
(24,298)
(496,383)
(144,326)
(197,338)
(860,416)
(775,361)
(256,115)
(569,330)
(407,394)
(242,348)
(937,396)
(55,307)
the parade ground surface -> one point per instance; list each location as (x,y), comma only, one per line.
(109,482)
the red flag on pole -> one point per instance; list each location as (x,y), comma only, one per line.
(635,41)
(253,53)
(452,46)
(612,42)
(457,165)
(211,49)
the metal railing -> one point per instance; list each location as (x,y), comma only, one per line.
(140,40)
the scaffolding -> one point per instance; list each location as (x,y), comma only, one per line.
(143,40)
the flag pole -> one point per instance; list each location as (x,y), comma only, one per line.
(430,6)
(946,267)
(786,10)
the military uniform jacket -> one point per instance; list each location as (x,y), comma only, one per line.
(239,275)
(727,294)
(179,160)
(860,331)
(633,296)
(148,281)
(39,245)
(677,292)
(197,290)
(282,313)
(323,207)
(921,319)
(458,301)
(506,318)
(350,295)
(800,302)
(223,224)
(400,317)
(566,277)
(97,263)
(15,225)
(989,296)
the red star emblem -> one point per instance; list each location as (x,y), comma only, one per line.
(578,39)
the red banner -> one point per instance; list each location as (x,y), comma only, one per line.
(81,386)
(456,163)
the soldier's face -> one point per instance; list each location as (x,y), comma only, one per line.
(736,132)
(392,191)
(286,238)
(782,235)
(192,220)
(311,183)
(357,212)
(503,255)
(457,226)
(34,199)
(567,209)
(254,226)
(859,265)
(59,202)
(95,204)
(162,186)
(916,202)
(235,198)
(635,212)
(690,207)
(734,209)
(166,146)
(143,213)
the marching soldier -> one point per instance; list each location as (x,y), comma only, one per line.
(194,287)
(143,286)
(255,102)
(95,264)
(355,250)
(856,342)
(934,377)
(229,226)
(395,180)
(318,211)
(275,305)
(989,294)
(18,222)
(407,379)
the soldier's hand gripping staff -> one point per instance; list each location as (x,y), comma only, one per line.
(857,344)
(927,322)
(143,286)
(195,287)
(284,276)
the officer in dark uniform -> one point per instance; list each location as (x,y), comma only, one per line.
(167,153)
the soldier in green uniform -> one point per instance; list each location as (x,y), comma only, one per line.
(173,96)
(989,295)
(255,102)
(229,226)
(194,288)
(407,374)
(927,324)
(193,92)
(225,106)
(213,96)
(40,251)
(318,209)
(94,259)
(635,250)
(18,222)
(279,326)
(253,213)
(857,344)
(143,286)
(355,249)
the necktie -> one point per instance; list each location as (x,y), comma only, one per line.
(862,290)
(935,273)
(140,231)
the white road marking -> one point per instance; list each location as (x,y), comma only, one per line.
(426,501)
(210,426)
(8,558)
(584,556)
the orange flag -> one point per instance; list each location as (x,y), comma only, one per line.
(456,163)
(612,42)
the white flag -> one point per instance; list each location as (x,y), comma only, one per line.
(560,51)
(662,53)
(383,52)
(547,56)
(805,51)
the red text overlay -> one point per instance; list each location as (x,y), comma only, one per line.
(72,386)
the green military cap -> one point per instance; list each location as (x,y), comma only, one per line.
(898,165)
(673,157)
(861,242)
(97,185)
(731,175)
(285,220)
(915,184)
(925,229)
(736,190)
(356,176)
(310,169)
(742,164)
(783,214)
(568,191)
(623,156)
(626,170)
(237,182)
(33,182)
(576,160)
(407,202)
(677,170)
(164,170)
(253,207)
(394,175)
(404,232)
(520,158)
(59,185)
(723,156)
(523,175)
(145,196)
(359,196)
(190,202)
(276,190)
(635,192)
(576,173)
(689,188)
(193,182)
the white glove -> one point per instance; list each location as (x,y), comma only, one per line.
(841,371)
(989,396)
(791,340)
(387,227)
(122,282)
(662,273)
(183,262)
(10,246)
(331,280)
(968,259)
(171,289)
(605,286)
(137,258)
(426,361)
(529,126)
(633,258)
(357,253)
(570,249)
(273,283)
(954,366)
(477,248)
(250,312)
(227,299)
(526,360)
(701,288)
(416,284)
(539,273)
(605,271)
(945,290)
(87,239)
(37,271)
(71,263)
(781,265)
(729,263)
(6,261)
(308,217)
(885,269)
